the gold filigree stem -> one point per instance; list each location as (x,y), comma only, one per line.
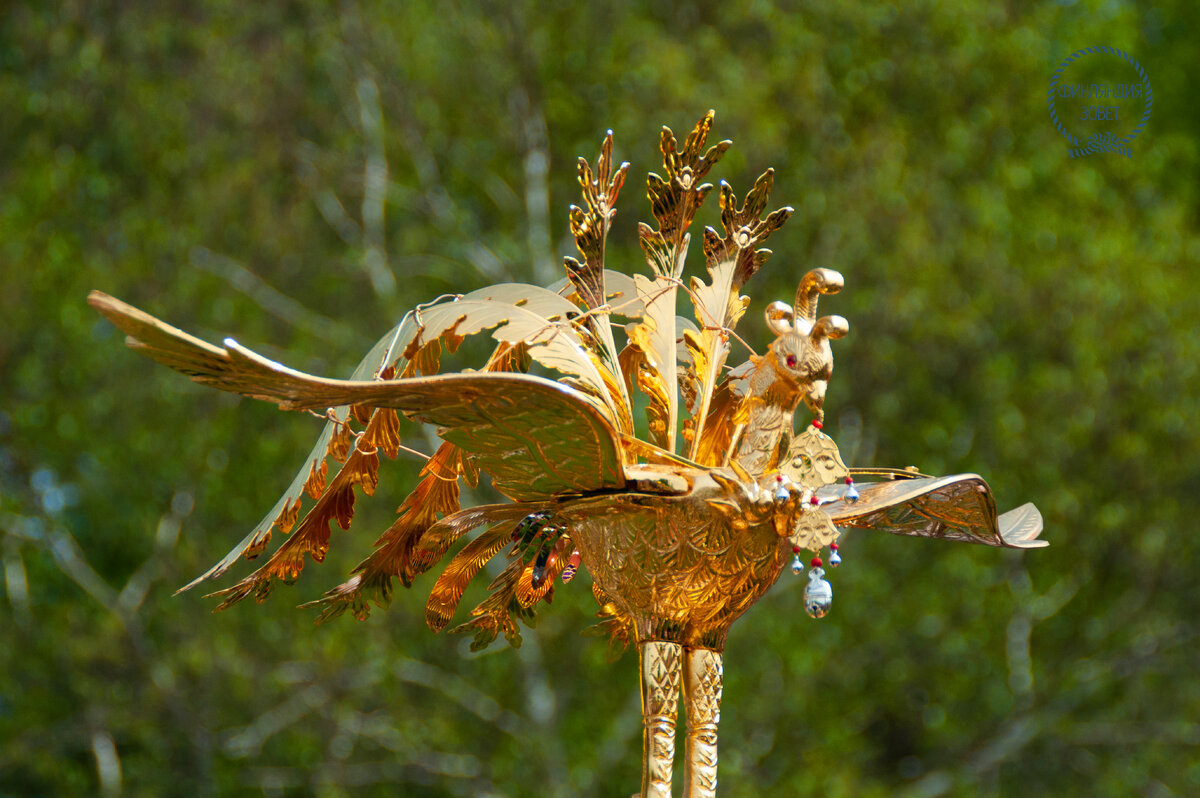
(660,665)
(703,674)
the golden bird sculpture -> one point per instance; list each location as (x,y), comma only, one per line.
(681,529)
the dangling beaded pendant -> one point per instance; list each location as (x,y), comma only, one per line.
(835,559)
(851,494)
(797,566)
(818,594)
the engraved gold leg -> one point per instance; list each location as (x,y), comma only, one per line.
(660,664)
(703,672)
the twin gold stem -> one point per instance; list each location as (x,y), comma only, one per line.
(702,702)
(663,666)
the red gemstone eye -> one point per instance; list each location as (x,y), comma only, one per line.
(791,361)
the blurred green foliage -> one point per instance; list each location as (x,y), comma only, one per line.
(299,174)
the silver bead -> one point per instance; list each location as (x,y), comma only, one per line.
(851,495)
(782,494)
(818,594)
(797,566)
(835,559)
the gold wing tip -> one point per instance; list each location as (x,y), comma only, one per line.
(193,583)
(1019,528)
(109,306)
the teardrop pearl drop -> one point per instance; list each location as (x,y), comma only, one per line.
(818,594)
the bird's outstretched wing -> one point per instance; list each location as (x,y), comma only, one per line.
(957,508)
(536,437)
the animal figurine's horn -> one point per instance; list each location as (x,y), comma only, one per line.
(830,327)
(780,317)
(815,283)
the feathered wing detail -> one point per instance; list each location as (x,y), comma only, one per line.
(539,322)
(336,503)
(959,508)
(436,494)
(235,368)
(514,425)
(511,594)
(495,614)
(210,364)
(311,479)
(195,358)
(438,539)
(452,583)
(536,437)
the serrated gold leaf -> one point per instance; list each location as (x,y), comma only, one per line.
(675,199)
(341,442)
(383,433)
(287,519)
(314,486)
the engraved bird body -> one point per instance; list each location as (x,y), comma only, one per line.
(682,571)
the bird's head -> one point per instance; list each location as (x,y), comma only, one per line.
(800,354)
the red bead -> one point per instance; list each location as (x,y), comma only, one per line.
(833,547)
(816,422)
(795,549)
(849,480)
(779,477)
(814,500)
(816,562)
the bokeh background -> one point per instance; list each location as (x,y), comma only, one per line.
(299,174)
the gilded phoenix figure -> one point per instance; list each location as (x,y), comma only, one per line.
(682,528)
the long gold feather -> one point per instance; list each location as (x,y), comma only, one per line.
(448,590)
(336,503)
(435,495)
(495,613)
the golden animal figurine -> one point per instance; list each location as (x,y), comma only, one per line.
(682,528)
